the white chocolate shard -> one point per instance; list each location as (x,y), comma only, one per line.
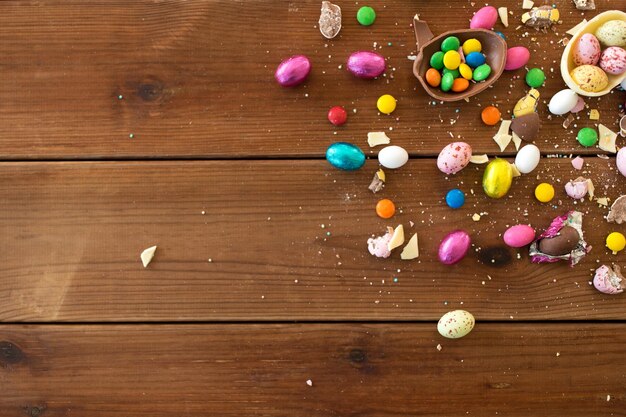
(504,17)
(397,238)
(527,4)
(411,250)
(517,141)
(607,139)
(479,159)
(516,172)
(377,138)
(576,28)
(502,137)
(147,255)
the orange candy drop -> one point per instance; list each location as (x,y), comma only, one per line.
(433,78)
(385,208)
(490,115)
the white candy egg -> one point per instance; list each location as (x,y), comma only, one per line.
(455,324)
(527,159)
(393,157)
(563,101)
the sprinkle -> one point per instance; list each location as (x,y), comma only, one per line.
(309,382)
(132,135)
(120,97)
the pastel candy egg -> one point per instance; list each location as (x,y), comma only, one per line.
(456,324)
(497,178)
(527,159)
(454,247)
(293,71)
(345,156)
(485,18)
(519,235)
(454,157)
(613,60)
(563,101)
(365,64)
(620,160)
(587,50)
(474,59)
(612,33)
(516,58)
(607,280)
(393,156)
(590,78)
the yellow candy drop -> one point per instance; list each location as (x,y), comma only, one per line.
(615,242)
(544,192)
(452,60)
(471,45)
(466,71)
(386,104)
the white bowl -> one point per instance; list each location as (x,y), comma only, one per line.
(567,60)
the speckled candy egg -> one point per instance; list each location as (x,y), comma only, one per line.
(621,161)
(519,235)
(590,78)
(456,324)
(587,50)
(613,60)
(454,157)
(612,33)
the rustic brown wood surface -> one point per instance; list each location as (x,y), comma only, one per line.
(354,370)
(254,227)
(196,79)
(287,240)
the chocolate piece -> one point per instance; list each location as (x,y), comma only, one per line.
(561,244)
(330,20)
(585,4)
(617,213)
(526,126)
(541,17)
(607,280)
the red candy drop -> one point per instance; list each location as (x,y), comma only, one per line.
(337,115)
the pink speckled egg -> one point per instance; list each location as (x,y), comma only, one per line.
(587,50)
(454,157)
(516,58)
(613,60)
(485,18)
(519,235)
(621,161)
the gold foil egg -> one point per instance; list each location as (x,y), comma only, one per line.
(497,178)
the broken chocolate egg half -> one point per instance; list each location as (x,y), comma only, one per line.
(607,280)
(526,126)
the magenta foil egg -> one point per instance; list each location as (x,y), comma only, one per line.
(293,71)
(454,247)
(365,64)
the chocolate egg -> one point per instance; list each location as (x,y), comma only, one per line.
(590,78)
(365,64)
(497,178)
(345,156)
(526,126)
(456,324)
(293,71)
(454,247)
(587,50)
(561,244)
(454,157)
(613,60)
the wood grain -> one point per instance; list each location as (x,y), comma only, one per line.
(355,370)
(196,79)
(287,241)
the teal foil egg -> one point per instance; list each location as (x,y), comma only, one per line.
(345,156)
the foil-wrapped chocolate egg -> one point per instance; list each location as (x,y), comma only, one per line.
(293,71)
(365,64)
(345,156)
(497,178)
(454,247)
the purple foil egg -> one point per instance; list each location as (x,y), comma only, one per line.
(454,247)
(364,64)
(293,71)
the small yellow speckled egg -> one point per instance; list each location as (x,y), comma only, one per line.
(455,324)
(590,78)
(612,33)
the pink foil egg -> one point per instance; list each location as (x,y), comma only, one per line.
(516,58)
(485,18)
(454,247)
(454,157)
(519,235)
(587,50)
(608,281)
(613,60)
(365,64)
(293,71)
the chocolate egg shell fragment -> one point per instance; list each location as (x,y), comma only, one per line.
(330,20)
(365,64)
(607,280)
(617,213)
(561,244)
(293,71)
(526,126)
(541,17)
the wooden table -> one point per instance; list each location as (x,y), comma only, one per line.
(132,124)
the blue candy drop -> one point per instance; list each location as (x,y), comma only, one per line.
(475,59)
(455,198)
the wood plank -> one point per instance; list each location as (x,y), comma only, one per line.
(261,370)
(192,75)
(287,240)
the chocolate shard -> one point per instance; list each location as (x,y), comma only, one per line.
(526,126)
